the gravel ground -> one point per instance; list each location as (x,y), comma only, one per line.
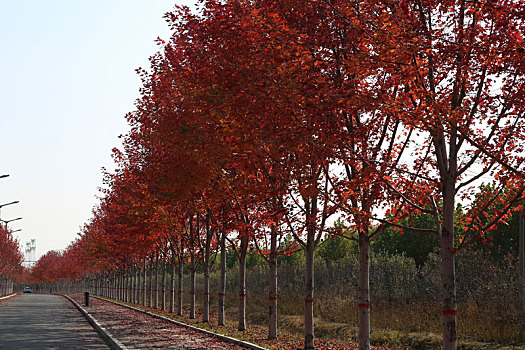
(140,331)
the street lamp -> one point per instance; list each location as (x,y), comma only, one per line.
(15,231)
(2,176)
(8,221)
(3,205)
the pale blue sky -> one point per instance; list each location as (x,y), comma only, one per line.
(67,78)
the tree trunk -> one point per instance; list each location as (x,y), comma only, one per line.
(163,294)
(156,291)
(242,291)
(133,283)
(137,285)
(309,296)
(272,293)
(206,293)
(521,265)
(448,277)
(192,288)
(130,285)
(144,282)
(222,286)
(119,286)
(150,299)
(363,297)
(181,285)
(172,284)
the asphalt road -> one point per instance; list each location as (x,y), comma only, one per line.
(45,321)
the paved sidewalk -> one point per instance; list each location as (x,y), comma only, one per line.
(45,321)
(139,331)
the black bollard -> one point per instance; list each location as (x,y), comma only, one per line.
(86,298)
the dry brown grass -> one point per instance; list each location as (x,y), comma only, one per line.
(413,325)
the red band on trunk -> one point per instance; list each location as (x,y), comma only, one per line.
(272,298)
(180,292)
(364,305)
(206,293)
(193,293)
(450,312)
(308,300)
(221,294)
(242,295)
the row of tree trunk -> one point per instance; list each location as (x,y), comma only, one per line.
(145,283)
(157,282)
(6,286)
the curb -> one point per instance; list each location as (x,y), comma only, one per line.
(8,296)
(217,335)
(113,343)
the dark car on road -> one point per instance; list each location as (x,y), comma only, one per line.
(27,290)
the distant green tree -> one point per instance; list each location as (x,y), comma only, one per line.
(294,258)
(503,240)
(254,259)
(334,248)
(413,244)
(231,258)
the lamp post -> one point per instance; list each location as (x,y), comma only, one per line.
(2,176)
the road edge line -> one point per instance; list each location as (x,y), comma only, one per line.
(110,340)
(234,341)
(8,296)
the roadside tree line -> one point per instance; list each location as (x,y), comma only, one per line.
(261,120)
(11,259)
